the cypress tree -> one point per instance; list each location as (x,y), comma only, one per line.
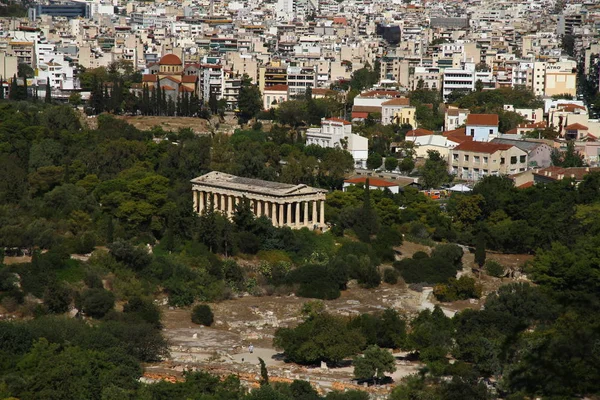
(14,88)
(164,103)
(170,107)
(153,102)
(159,107)
(48,98)
(25,94)
(480,255)
(106,99)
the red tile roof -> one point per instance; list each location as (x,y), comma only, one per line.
(185,89)
(366,109)
(170,59)
(419,132)
(536,125)
(189,78)
(569,107)
(399,101)
(358,114)
(482,119)
(576,127)
(372,182)
(279,88)
(482,147)
(167,87)
(556,173)
(525,185)
(380,93)
(343,121)
(171,78)
(149,78)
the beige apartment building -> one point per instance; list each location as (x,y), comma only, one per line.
(473,160)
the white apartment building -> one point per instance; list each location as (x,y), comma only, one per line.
(300,78)
(336,132)
(464,79)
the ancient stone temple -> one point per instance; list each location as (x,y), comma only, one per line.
(296,206)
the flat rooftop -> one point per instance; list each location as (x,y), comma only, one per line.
(221,180)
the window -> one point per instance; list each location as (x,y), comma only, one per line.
(513,160)
(455,157)
(485,160)
(472,132)
(522,159)
(501,160)
(476,159)
(491,131)
(466,157)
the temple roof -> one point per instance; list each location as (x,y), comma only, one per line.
(256,186)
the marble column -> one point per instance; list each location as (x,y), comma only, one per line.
(297,220)
(195,200)
(259,208)
(322,215)
(201,202)
(305,222)
(314,212)
(281,220)
(289,214)
(230,200)
(274,214)
(216,202)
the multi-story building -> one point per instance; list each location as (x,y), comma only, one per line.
(274,95)
(473,160)
(300,78)
(336,132)
(270,75)
(398,111)
(482,127)
(455,117)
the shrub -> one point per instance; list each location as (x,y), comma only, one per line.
(315,281)
(390,276)
(145,309)
(457,289)
(494,268)
(93,281)
(452,252)
(134,257)
(97,302)
(422,268)
(202,315)
(57,298)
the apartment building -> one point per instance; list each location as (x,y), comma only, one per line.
(398,111)
(300,78)
(336,132)
(473,160)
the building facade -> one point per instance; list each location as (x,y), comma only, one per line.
(295,206)
(473,160)
(336,132)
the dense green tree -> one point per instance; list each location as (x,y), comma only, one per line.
(480,250)
(435,170)
(97,302)
(374,161)
(568,158)
(249,100)
(321,338)
(391,163)
(374,363)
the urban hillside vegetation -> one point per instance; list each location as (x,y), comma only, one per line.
(65,189)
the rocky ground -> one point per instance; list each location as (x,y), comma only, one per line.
(223,348)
